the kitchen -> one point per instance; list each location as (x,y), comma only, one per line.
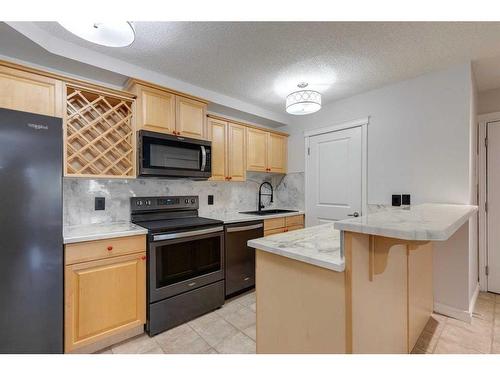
(170,223)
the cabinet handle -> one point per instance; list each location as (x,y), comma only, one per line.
(143,257)
(286,230)
(230,178)
(246,278)
(110,248)
(192,284)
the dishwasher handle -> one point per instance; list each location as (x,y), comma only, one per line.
(241,229)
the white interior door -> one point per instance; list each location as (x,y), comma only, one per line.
(334,176)
(493,202)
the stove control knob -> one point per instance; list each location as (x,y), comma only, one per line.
(193,201)
(186,201)
(139,203)
(147,203)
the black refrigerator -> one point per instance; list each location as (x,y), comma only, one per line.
(31,240)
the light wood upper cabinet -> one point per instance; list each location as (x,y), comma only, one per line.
(28,92)
(277,153)
(105,298)
(228,150)
(190,117)
(236,152)
(256,150)
(217,134)
(266,151)
(156,110)
(165,111)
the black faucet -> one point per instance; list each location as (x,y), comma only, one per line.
(261,206)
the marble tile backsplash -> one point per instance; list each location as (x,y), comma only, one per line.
(79,194)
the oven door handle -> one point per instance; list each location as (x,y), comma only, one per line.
(241,229)
(171,236)
(203,158)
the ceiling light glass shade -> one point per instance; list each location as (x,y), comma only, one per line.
(109,34)
(303,102)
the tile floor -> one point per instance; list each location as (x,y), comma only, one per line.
(444,335)
(228,330)
(231,329)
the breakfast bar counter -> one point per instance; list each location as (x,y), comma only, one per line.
(362,285)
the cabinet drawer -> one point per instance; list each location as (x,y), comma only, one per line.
(278,222)
(294,227)
(273,231)
(100,249)
(294,220)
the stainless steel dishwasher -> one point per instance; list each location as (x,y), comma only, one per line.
(239,258)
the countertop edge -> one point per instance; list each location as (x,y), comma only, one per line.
(315,262)
(104,236)
(430,235)
(246,217)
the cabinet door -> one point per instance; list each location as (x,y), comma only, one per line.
(256,150)
(277,153)
(217,134)
(28,92)
(103,298)
(236,152)
(190,117)
(157,110)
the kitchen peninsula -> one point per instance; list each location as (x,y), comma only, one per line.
(362,285)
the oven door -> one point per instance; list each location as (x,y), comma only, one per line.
(182,261)
(164,155)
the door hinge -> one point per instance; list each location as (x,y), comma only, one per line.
(309,151)
(487,270)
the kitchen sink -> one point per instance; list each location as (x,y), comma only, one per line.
(267,212)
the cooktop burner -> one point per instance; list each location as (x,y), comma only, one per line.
(167,214)
(156,226)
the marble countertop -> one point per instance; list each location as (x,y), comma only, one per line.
(236,217)
(424,222)
(318,245)
(80,233)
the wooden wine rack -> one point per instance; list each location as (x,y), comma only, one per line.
(99,134)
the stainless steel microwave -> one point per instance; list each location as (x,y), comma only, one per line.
(163,155)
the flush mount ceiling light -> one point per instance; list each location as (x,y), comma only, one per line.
(109,34)
(303,102)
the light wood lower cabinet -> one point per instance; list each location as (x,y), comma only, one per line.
(283,224)
(104,298)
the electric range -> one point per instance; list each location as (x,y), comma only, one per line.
(185,260)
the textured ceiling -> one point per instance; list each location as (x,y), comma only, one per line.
(261,62)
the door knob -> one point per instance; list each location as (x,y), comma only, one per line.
(355,214)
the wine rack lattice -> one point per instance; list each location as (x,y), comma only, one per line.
(99,134)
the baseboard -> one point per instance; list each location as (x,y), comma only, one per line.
(453,312)
(472,303)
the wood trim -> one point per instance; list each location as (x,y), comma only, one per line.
(67,79)
(270,130)
(131,81)
(342,126)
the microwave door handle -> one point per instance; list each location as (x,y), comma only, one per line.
(203,158)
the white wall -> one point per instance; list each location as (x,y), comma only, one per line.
(418,136)
(488,101)
(422,141)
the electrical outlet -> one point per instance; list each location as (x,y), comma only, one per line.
(210,200)
(100,203)
(396,200)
